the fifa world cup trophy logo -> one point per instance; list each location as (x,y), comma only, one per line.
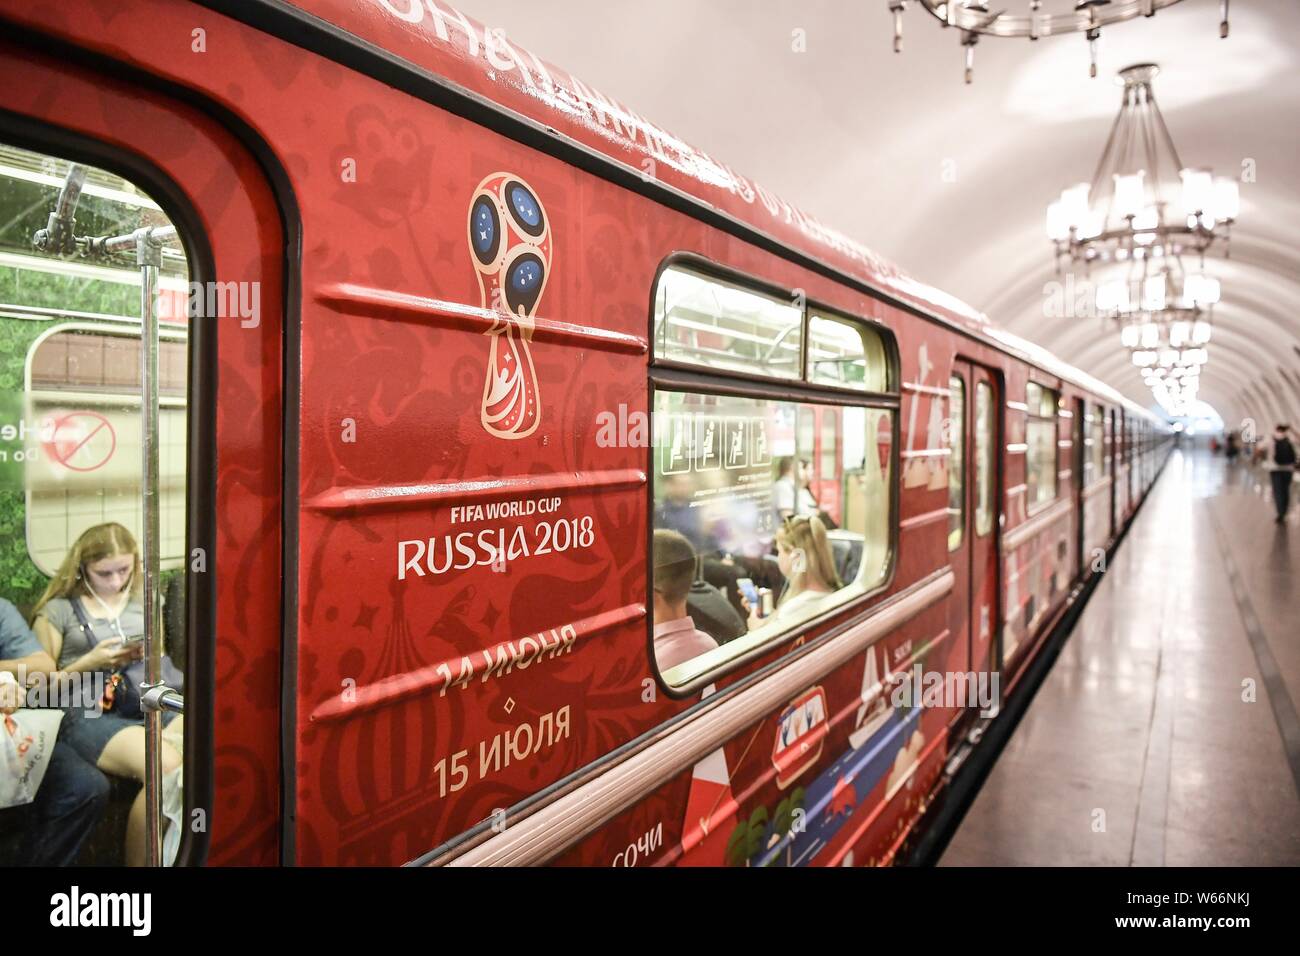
(510,240)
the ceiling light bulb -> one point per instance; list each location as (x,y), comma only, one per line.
(1226,201)
(1130,195)
(1198,189)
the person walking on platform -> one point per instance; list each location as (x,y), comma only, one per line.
(1282,462)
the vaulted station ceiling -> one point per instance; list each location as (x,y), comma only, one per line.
(952,181)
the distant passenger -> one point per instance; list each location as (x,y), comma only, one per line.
(1233,447)
(790,494)
(675,635)
(675,511)
(1282,465)
(804,554)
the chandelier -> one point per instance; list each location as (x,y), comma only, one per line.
(1165,316)
(1130,210)
(973,19)
(1160,304)
(1174,387)
(1142,212)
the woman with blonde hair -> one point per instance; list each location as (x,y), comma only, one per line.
(803,552)
(84,620)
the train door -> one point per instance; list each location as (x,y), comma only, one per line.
(1110,465)
(959,545)
(1080,472)
(972,512)
(986,494)
(145,252)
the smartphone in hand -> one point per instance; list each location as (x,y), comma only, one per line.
(135,644)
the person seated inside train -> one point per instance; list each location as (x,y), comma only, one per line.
(73,794)
(676,638)
(83,619)
(677,513)
(804,555)
(790,493)
(713,610)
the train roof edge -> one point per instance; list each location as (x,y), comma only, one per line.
(465,57)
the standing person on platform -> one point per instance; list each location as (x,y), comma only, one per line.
(1282,464)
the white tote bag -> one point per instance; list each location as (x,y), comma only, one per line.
(26,744)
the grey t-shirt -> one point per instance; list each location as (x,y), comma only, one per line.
(63,619)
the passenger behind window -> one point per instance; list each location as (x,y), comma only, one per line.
(712,608)
(806,476)
(676,513)
(84,620)
(790,493)
(804,555)
(676,639)
(72,796)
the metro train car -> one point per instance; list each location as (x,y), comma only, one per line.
(454,352)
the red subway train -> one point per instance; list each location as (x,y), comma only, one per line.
(486,377)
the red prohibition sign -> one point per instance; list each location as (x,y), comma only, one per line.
(74,433)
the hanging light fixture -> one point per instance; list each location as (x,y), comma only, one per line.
(1142,201)
(1155,301)
(1140,214)
(1165,319)
(973,19)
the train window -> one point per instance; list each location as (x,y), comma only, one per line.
(956,432)
(1097,448)
(83,388)
(846,354)
(707,321)
(984,434)
(71,485)
(1040,437)
(726,540)
(769,509)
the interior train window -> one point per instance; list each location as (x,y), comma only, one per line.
(984,467)
(846,354)
(956,432)
(771,506)
(706,321)
(71,484)
(1040,436)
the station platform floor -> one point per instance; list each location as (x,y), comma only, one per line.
(1145,745)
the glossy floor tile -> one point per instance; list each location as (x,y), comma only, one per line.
(1165,734)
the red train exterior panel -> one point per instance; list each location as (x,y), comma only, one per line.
(470,640)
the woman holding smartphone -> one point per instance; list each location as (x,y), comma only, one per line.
(87,620)
(805,558)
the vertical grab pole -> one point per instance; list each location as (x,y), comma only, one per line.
(149,258)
